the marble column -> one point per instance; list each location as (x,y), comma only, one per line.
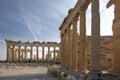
(75,45)
(66,50)
(82,40)
(62,50)
(13,54)
(70,46)
(18,53)
(8,54)
(25,52)
(95,44)
(48,54)
(31,53)
(116,36)
(43,53)
(37,54)
(54,55)
(22,55)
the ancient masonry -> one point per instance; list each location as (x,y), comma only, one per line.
(72,56)
(19,51)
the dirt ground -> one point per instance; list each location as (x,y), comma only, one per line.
(25,73)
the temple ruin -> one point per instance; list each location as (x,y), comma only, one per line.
(73,44)
(23,51)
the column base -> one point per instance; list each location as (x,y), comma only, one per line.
(94,76)
(114,71)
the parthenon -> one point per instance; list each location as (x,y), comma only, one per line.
(23,51)
(81,57)
(73,54)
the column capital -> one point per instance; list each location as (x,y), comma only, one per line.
(25,47)
(19,46)
(31,46)
(74,21)
(82,11)
(12,45)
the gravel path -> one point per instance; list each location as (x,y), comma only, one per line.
(25,73)
(30,77)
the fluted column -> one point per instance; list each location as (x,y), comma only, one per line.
(95,46)
(75,45)
(43,53)
(31,53)
(54,55)
(65,48)
(18,53)
(82,40)
(37,53)
(22,56)
(62,50)
(116,36)
(13,54)
(48,54)
(8,54)
(25,52)
(70,46)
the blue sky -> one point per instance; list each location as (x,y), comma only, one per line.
(39,20)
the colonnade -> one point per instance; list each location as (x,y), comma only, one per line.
(73,57)
(23,51)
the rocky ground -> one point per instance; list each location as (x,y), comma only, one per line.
(25,71)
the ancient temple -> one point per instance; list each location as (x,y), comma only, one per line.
(73,44)
(23,51)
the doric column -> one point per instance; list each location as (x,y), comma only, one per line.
(54,55)
(37,52)
(8,56)
(116,36)
(13,54)
(75,45)
(66,50)
(95,45)
(64,57)
(18,53)
(31,53)
(43,53)
(62,50)
(70,46)
(82,40)
(25,52)
(22,55)
(48,53)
